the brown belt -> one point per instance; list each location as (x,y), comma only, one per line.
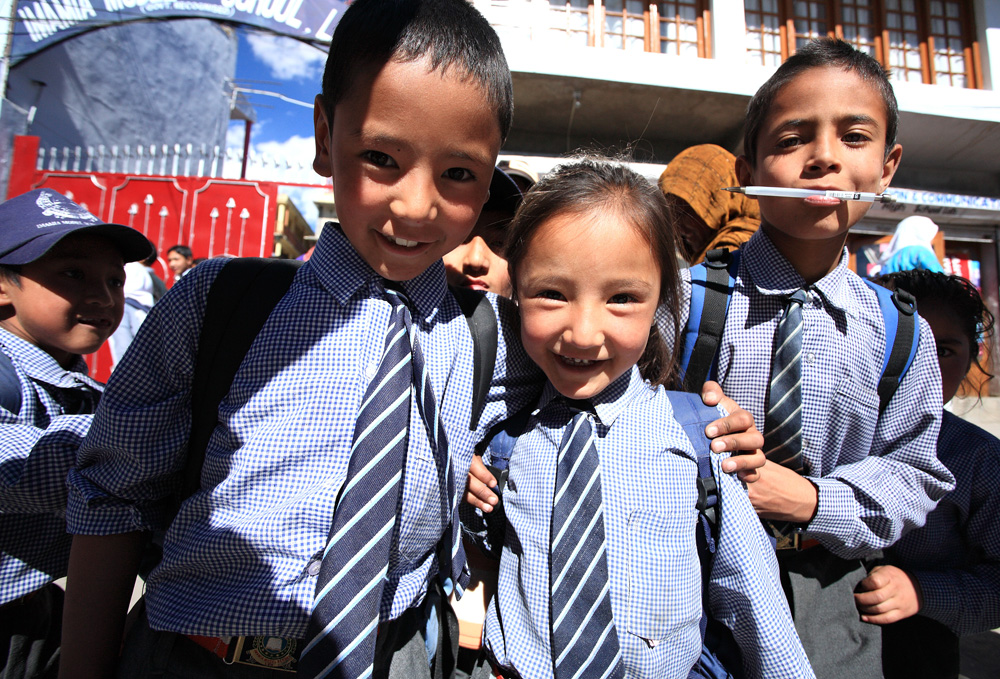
(275,653)
(795,541)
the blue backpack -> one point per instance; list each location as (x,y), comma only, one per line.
(712,285)
(720,655)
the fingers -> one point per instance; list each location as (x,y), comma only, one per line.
(749,462)
(479,491)
(752,476)
(711,394)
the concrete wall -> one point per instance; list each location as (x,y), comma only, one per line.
(141,83)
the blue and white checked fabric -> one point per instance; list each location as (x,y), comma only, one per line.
(877,476)
(37,448)
(340,637)
(584,639)
(783,422)
(956,556)
(648,473)
(242,554)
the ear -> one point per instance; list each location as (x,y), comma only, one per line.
(743,171)
(322,127)
(890,166)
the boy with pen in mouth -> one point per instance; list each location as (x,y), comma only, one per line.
(804,342)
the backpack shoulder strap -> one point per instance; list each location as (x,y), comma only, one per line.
(694,416)
(10,385)
(712,284)
(901,338)
(240,301)
(485,334)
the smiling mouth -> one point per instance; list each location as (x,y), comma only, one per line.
(577,362)
(402,242)
(96,322)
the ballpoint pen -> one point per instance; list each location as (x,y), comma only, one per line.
(780,192)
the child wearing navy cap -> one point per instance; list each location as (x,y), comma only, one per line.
(61,277)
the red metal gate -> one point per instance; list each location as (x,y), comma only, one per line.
(210,215)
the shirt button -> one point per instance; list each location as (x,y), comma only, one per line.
(809,357)
(313,567)
(370,371)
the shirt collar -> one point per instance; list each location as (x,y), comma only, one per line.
(41,367)
(611,402)
(342,271)
(772,274)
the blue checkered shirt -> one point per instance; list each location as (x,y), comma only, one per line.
(37,448)
(242,555)
(648,473)
(956,556)
(877,476)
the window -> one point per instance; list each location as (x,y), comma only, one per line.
(928,41)
(679,27)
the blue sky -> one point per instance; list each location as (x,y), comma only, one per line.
(282,66)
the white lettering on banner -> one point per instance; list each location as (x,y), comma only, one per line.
(45,18)
(282,11)
(323,32)
(119,5)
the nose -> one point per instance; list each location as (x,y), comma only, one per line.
(477,259)
(103,294)
(415,197)
(585,330)
(825,156)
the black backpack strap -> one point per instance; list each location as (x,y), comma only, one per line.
(10,385)
(708,309)
(485,334)
(240,301)
(901,337)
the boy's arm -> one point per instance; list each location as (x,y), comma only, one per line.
(102,572)
(34,462)
(865,506)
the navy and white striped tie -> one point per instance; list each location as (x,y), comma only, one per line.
(783,421)
(340,637)
(584,638)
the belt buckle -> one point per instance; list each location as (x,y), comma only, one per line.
(785,541)
(276,653)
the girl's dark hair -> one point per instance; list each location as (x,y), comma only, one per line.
(598,184)
(958,294)
(817,54)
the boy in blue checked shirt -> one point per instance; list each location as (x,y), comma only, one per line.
(842,480)
(416,103)
(61,295)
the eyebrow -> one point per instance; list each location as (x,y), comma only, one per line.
(854,118)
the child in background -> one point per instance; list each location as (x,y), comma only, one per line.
(61,296)
(843,480)
(944,578)
(479,262)
(591,257)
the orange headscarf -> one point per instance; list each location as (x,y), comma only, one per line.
(697,175)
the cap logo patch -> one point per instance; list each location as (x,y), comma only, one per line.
(54,205)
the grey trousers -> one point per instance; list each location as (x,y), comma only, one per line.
(820,591)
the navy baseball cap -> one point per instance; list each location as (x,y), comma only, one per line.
(505,196)
(31,224)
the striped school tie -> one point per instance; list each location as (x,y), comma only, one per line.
(584,638)
(783,422)
(340,637)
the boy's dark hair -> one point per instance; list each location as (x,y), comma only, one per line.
(451,32)
(593,185)
(12,273)
(817,54)
(954,292)
(182,250)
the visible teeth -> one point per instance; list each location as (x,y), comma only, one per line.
(576,361)
(402,241)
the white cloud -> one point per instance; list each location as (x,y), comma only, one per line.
(286,57)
